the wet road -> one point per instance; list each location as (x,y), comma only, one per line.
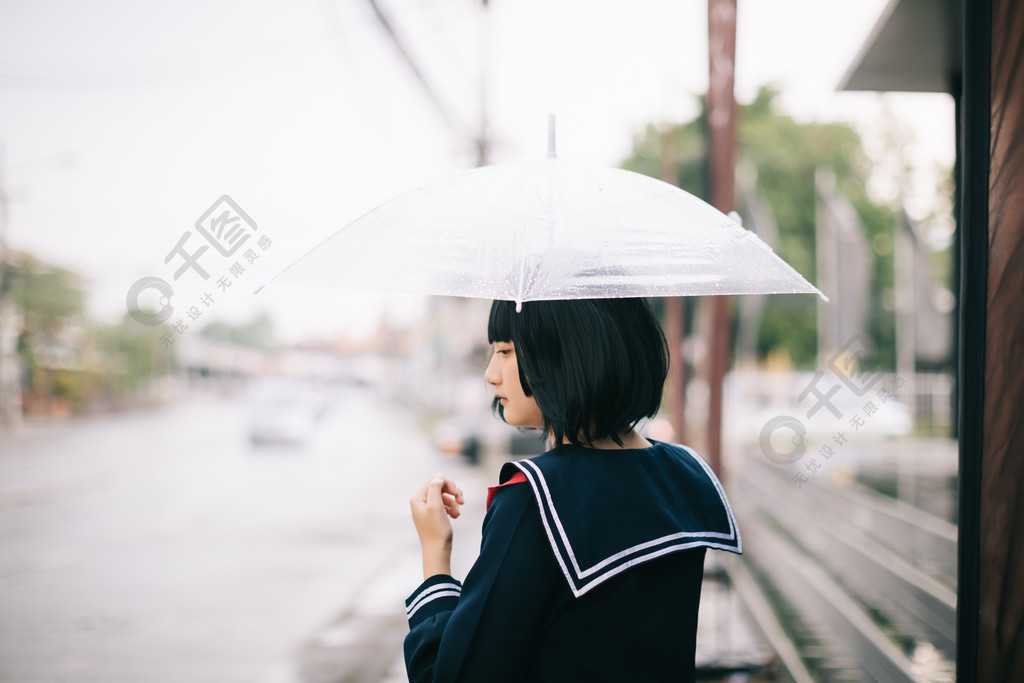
(161,546)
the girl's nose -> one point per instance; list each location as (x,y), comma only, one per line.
(491,375)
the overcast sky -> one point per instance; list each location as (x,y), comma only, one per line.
(122,122)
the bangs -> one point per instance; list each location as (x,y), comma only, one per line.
(499,327)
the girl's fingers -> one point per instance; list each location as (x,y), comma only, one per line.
(438,492)
(434,488)
(455,491)
(421,496)
(451,505)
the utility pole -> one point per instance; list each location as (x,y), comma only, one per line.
(675,311)
(722,143)
(483,140)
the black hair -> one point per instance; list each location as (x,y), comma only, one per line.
(596,367)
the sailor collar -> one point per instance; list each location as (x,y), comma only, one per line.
(604,511)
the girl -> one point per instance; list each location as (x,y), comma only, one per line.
(592,557)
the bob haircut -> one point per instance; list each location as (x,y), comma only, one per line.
(596,367)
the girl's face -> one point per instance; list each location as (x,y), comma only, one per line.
(518,409)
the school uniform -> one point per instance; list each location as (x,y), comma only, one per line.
(590,569)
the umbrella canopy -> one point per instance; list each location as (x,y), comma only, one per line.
(547,230)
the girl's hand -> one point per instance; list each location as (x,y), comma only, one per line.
(432,504)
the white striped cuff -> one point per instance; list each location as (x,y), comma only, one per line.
(432,589)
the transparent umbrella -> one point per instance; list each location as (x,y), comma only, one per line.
(547,230)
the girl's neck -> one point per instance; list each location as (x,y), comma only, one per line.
(630,440)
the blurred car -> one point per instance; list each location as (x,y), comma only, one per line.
(285,419)
(284,413)
(523,443)
(458,436)
(469,437)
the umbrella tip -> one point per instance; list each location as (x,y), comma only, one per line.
(519,306)
(551,136)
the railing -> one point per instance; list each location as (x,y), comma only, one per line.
(863,586)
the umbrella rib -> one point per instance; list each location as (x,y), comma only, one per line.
(522,275)
(522,266)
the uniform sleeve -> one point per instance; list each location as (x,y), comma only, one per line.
(429,609)
(486,629)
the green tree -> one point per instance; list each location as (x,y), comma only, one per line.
(69,358)
(786,154)
(45,294)
(130,355)
(51,303)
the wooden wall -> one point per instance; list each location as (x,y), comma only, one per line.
(1000,644)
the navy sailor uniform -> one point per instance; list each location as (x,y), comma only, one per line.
(590,569)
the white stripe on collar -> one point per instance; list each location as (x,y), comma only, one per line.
(649,550)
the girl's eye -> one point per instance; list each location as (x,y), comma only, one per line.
(503,352)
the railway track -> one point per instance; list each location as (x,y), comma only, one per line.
(846,585)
